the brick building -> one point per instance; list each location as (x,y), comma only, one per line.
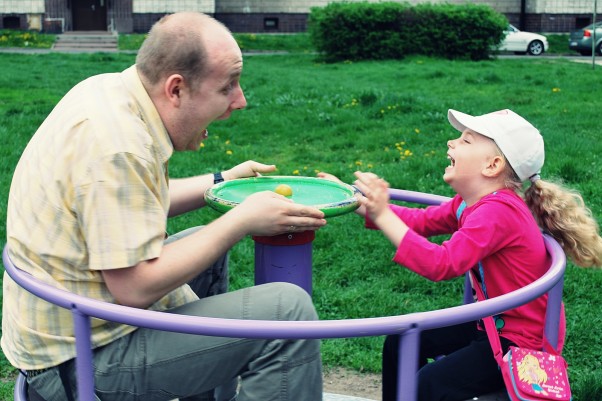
(260,16)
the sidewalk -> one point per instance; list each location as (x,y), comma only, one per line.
(339,397)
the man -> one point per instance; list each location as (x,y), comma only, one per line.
(87,212)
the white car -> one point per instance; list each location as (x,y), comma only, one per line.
(523,42)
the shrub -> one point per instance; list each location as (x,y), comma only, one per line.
(376,31)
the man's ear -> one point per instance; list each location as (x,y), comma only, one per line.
(173,86)
(494,167)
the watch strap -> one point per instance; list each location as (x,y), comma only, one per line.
(217,177)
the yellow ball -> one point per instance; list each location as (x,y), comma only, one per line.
(284,190)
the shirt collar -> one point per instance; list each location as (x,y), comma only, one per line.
(148,113)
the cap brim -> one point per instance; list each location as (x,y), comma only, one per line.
(462,121)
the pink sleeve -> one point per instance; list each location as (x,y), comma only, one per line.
(484,232)
(433,220)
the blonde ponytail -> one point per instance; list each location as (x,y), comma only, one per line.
(562,213)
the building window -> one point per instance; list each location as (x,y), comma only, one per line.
(11,22)
(270,23)
(582,22)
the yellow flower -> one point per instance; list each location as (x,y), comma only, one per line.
(202,145)
(370,165)
(296,172)
(555,90)
(416,130)
(228,152)
(358,163)
(228,142)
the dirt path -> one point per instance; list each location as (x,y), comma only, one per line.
(348,382)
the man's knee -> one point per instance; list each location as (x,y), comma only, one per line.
(294,302)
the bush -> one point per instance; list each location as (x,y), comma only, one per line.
(377,31)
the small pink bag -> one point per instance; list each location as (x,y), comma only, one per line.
(535,375)
(529,375)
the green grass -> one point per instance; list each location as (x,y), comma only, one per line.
(386,117)
(27,39)
(295,43)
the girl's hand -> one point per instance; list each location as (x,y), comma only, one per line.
(361,210)
(376,194)
(329,177)
(249,168)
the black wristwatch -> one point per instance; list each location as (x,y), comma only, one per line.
(217,178)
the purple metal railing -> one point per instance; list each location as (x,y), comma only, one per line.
(407,326)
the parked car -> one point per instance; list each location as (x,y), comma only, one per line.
(521,42)
(581,40)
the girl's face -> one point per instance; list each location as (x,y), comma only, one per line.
(469,156)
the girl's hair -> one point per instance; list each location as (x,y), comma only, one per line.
(562,213)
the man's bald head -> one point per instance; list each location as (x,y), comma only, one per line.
(178,44)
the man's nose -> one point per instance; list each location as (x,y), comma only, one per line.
(240,102)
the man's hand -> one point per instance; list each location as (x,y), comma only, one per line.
(267,213)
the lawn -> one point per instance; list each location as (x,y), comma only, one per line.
(386,117)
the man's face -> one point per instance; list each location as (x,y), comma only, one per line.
(215,98)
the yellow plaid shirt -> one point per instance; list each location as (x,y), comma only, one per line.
(89,193)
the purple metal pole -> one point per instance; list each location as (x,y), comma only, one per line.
(554,306)
(409,342)
(285,257)
(468,296)
(416,197)
(83,361)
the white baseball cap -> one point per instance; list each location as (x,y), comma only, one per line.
(520,142)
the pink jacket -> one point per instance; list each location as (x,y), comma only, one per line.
(500,231)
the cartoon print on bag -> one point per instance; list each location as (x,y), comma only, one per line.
(531,372)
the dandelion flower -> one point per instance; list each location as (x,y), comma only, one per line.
(228,152)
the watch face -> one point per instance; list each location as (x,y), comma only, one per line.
(217,177)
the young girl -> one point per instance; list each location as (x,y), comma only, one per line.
(489,162)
